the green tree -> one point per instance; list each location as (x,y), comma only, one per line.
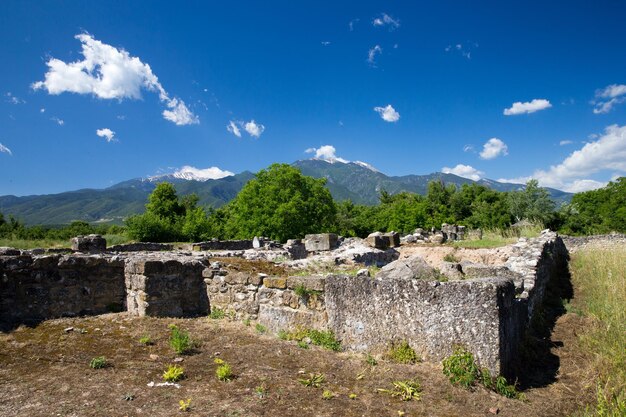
(280,203)
(163,202)
(532,203)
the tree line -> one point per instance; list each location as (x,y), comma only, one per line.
(281,203)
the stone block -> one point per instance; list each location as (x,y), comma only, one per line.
(320,242)
(284,318)
(236,278)
(377,241)
(393,239)
(311,282)
(89,244)
(275,282)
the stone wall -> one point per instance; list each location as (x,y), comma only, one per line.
(34,288)
(141,247)
(369,314)
(223,245)
(576,243)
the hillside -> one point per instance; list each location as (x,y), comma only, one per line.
(346,181)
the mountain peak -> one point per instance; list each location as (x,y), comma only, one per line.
(193,174)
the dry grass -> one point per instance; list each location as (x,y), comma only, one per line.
(599,276)
(494,238)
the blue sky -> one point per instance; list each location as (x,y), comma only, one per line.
(500,90)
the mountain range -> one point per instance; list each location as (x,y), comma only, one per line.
(355,181)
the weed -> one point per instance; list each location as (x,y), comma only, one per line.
(174,373)
(451,258)
(224,372)
(246,322)
(129,396)
(217,314)
(370,360)
(98,362)
(283,335)
(402,353)
(304,292)
(184,405)
(406,390)
(325,339)
(352,396)
(261,391)
(260,328)
(146,341)
(327,395)
(460,368)
(302,344)
(218,361)
(314,380)
(180,340)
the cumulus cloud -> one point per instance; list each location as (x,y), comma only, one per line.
(110,73)
(388,113)
(58,121)
(326,153)
(608,97)
(253,128)
(372,53)
(385,20)
(527,107)
(607,153)
(464,171)
(565,142)
(4,149)
(107,134)
(493,148)
(234,129)
(42,110)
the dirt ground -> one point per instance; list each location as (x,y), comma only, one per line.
(44,371)
(434,255)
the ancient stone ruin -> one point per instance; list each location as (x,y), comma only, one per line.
(486,308)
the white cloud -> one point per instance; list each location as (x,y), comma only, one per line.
(253,128)
(607,153)
(608,97)
(58,121)
(42,110)
(493,148)
(106,133)
(325,43)
(4,149)
(234,129)
(198,174)
(464,171)
(465,50)
(385,20)
(565,142)
(14,100)
(468,148)
(388,113)
(527,107)
(371,54)
(326,153)
(110,73)
(351,24)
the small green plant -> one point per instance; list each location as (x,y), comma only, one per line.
(283,335)
(460,368)
(224,372)
(402,353)
(217,313)
(260,328)
(302,344)
(129,396)
(370,360)
(314,380)
(327,395)
(325,339)
(180,340)
(406,390)
(451,258)
(218,361)
(146,341)
(246,322)
(352,396)
(304,292)
(184,405)
(174,373)
(261,391)
(98,362)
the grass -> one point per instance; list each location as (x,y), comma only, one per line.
(495,238)
(402,353)
(98,362)
(600,279)
(304,292)
(173,373)
(180,340)
(146,341)
(224,372)
(325,339)
(217,313)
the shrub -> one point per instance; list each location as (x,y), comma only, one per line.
(224,372)
(402,353)
(451,258)
(174,373)
(98,362)
(180,340)
(406,390)
(460,368)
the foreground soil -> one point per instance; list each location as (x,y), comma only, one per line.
(44,371)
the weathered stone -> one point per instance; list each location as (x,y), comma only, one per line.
(222,245)
(275,282)
(310,282)
(364,272)
(290,299)
(376,240)
(237,278)
(5,251)
(451,270)
(413,267)
(437,238)
(89,244)
(141,247)
(320,242)
(393,239)
(277,318)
